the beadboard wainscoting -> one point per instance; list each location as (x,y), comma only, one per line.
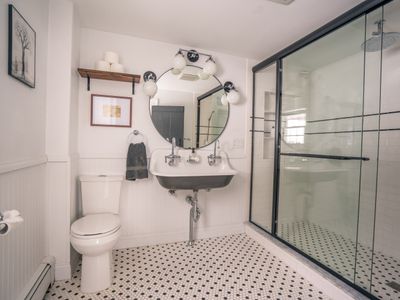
(23,249)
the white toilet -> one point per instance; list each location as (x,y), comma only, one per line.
(95,234)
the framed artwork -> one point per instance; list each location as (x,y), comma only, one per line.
(112,111)
(21,48)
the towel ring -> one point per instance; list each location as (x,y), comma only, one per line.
(136,133)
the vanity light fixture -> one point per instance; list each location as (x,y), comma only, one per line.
(179,63)
(232,95)
(150,85)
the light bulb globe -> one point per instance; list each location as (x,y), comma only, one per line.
(150,88)
(233,97)
(224,100)
(210,67)
(179,62)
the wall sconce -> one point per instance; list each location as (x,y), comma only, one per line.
(179,63)
(150,85)
(231,94)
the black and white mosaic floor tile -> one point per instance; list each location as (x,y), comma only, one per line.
(230,267)
(339,253)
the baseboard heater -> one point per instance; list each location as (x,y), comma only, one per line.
(40,281)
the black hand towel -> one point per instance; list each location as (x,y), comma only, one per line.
(136,162)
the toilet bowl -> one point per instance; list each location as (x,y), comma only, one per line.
(94,236)
(96,233)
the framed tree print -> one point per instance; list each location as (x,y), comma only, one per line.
(21,48)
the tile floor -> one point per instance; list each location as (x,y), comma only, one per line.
(230,267)
(339,253)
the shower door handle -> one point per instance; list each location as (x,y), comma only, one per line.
(325,156)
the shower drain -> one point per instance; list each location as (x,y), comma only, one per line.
(394,285)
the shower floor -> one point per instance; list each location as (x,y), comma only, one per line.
(230,267)
(338,253)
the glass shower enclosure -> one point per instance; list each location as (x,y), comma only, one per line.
(326,148)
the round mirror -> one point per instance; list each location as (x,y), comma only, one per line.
(188,107)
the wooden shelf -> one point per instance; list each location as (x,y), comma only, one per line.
(113,76)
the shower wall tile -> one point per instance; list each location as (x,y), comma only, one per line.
(371,123)
(390,121)
(387,238)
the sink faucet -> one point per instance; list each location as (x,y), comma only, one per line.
(171,158)
(213,158)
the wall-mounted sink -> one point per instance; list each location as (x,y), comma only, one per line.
(184,175)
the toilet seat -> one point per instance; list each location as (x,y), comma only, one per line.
(96,225)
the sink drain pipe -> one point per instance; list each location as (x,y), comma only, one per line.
(194,215)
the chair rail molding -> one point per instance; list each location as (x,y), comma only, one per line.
(10,166)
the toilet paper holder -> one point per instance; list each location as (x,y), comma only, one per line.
(3,227)
(9,220)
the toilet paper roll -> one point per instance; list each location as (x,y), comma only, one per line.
(117,68)
(11,219)
(102,65)
(111,57)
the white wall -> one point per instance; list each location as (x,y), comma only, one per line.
(22,155)
(61,145)
(148,213)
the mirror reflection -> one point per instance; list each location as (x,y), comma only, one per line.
(189,108)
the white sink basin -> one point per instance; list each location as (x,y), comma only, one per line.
(191,176)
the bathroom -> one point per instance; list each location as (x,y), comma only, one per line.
(279,182)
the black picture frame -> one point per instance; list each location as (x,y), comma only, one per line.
(21,48)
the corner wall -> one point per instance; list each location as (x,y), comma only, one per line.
(61,145)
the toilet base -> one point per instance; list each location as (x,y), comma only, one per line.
(96,272)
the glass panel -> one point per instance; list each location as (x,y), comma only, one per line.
(370,149)
(322,108)
(264,141)
(385,281)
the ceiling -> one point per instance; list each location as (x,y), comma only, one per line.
(247,28)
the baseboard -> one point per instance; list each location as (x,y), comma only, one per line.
(327,283)
(63,272)
(38,284)
(131,241)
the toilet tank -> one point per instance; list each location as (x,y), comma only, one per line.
(100,193)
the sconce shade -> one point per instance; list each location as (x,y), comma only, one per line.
(179,61)
(150,88)
(224,100)
(233,97)
(210,67)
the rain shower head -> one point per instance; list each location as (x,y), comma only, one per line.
(387,39)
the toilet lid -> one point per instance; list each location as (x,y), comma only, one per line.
(95,224)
